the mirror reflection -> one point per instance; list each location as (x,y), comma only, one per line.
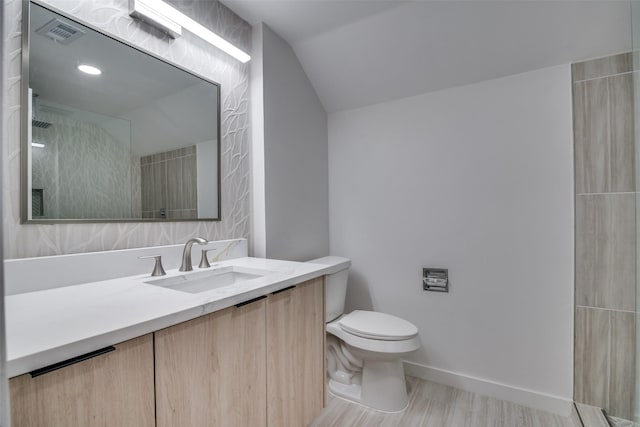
(115,133)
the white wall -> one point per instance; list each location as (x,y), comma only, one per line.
(295,156)
(477,179)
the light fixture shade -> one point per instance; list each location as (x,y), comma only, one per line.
(172,21)
(148,11)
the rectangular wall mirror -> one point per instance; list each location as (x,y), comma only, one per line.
(127,137)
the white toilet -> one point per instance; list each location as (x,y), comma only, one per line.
(364,348)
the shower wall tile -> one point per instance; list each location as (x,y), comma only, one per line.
(189,181)
(621,125)
(591,136)
(159,180)
(145,183)
(84,171)
(602,67)
(591,368)
(136,188)
(604,135)
(622,384)
(191,53)
(605,251)
(604,360)
(174,184)
(171,184)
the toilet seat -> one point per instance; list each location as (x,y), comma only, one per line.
(397,346)
(377,326)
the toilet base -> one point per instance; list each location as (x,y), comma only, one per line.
(384,386)
(350,392)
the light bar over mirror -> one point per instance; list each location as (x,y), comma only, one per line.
(172,21)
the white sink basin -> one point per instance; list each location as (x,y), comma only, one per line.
(203,281)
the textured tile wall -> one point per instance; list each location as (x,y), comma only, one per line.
(188,51)
(83,169)
(605,296)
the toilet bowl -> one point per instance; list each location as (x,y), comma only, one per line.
(365,348)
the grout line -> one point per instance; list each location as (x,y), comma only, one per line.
(609,132)
(575,408)
(607,194)
(609,338)
(607,309)
(604,77)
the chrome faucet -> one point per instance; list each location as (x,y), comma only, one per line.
(187,263)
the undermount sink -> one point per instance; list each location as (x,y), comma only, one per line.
(203,281)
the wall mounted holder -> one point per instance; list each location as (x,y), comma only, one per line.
(435,279)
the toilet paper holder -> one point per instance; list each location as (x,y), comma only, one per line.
(435,279)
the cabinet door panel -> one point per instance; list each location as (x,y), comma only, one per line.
(210,371)
(114,389)
(295,355)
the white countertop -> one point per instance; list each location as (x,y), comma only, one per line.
(53,325)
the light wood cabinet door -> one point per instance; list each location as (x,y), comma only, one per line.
(295,355)
(210,371)
(112,389)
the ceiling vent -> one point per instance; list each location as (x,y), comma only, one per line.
(35,108)
(60,32)
(40,124)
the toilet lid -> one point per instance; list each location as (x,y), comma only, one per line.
(379,326)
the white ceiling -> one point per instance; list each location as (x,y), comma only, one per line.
(362,52)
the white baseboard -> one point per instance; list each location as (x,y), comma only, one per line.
(532,399)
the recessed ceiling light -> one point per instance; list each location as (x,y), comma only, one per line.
(89,69)
(37,145)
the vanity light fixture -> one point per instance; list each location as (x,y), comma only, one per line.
(170,20)
(37,145)
(90,69)
(156,13)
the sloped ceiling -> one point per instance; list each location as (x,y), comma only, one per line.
(358,52)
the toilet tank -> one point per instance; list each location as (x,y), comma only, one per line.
(335,286)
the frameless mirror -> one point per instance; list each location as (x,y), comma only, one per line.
(128,137)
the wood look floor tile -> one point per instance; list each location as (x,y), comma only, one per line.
(437,405)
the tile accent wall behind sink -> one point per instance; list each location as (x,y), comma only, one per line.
(192,53)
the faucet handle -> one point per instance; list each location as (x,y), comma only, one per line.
(204,261)
(157,269)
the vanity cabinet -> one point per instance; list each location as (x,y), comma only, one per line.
(295,354)
(258,364)
(210,371)
(111,389)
